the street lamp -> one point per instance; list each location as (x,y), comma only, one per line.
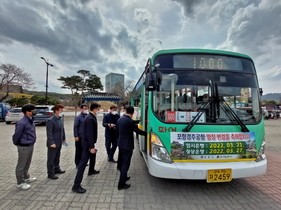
(47,78)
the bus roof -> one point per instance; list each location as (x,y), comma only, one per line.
(222,52)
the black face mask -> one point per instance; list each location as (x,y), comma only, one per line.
(33,112)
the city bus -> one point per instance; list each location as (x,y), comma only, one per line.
(202,111)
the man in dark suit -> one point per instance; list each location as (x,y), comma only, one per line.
(89,138)
(109,122)
(77,130)
(55,138)
(126,127)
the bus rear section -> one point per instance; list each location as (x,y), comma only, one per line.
(202,111)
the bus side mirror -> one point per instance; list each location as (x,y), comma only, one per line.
(150,81)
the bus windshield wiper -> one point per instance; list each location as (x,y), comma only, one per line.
(215,104)
(201,110)
(232,115)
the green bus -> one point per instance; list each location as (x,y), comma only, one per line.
(202,111)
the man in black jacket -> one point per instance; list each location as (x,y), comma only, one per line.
(126,127)
(77,130)
(109,122)
(90,134)
(55,138)
(24,138)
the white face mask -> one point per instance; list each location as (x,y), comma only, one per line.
(61,114)
(114,112)
(85,112)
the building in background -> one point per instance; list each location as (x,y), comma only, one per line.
(111,80)
(11,89)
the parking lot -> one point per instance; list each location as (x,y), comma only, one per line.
(146,192)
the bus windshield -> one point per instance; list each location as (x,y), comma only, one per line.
(182,93)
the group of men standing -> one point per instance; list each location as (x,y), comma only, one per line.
(118,132)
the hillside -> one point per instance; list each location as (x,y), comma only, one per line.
(58,96)
(65,98)
(272,97)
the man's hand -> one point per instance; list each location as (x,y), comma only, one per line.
(76,138)
(93,150)
(111,125)
(53,146)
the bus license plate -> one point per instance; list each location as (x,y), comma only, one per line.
(219,175)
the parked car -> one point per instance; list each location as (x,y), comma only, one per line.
(44,112)
(4,108)
(13,115)
(265,113)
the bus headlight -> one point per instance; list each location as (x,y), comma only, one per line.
(261,155)
(158,151)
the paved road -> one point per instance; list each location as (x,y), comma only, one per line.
(146,192)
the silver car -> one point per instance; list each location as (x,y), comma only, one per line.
(44,112)
(13,115)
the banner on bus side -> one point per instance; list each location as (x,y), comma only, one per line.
(212,146)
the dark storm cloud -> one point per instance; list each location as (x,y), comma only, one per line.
(128,41)
(188,5)
(73,35)
(256,30)
(62,3)
(22,26)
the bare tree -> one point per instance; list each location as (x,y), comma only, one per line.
(13,75)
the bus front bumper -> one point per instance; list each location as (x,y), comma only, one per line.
(199,170)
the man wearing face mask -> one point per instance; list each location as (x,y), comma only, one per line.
(109,122)
(24,138)
(90,135)
(55,138)
(77,130)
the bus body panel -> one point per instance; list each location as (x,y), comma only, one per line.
(195,170)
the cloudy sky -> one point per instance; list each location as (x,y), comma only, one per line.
(105,36)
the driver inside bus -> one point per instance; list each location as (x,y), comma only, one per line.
(205,97)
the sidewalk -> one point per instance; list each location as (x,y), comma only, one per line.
(102,192)
(146,192)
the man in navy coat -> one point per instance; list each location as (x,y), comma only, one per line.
(109,122)
(55,138)
(126,127)
(77,130)
(24,138)
(89,138)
